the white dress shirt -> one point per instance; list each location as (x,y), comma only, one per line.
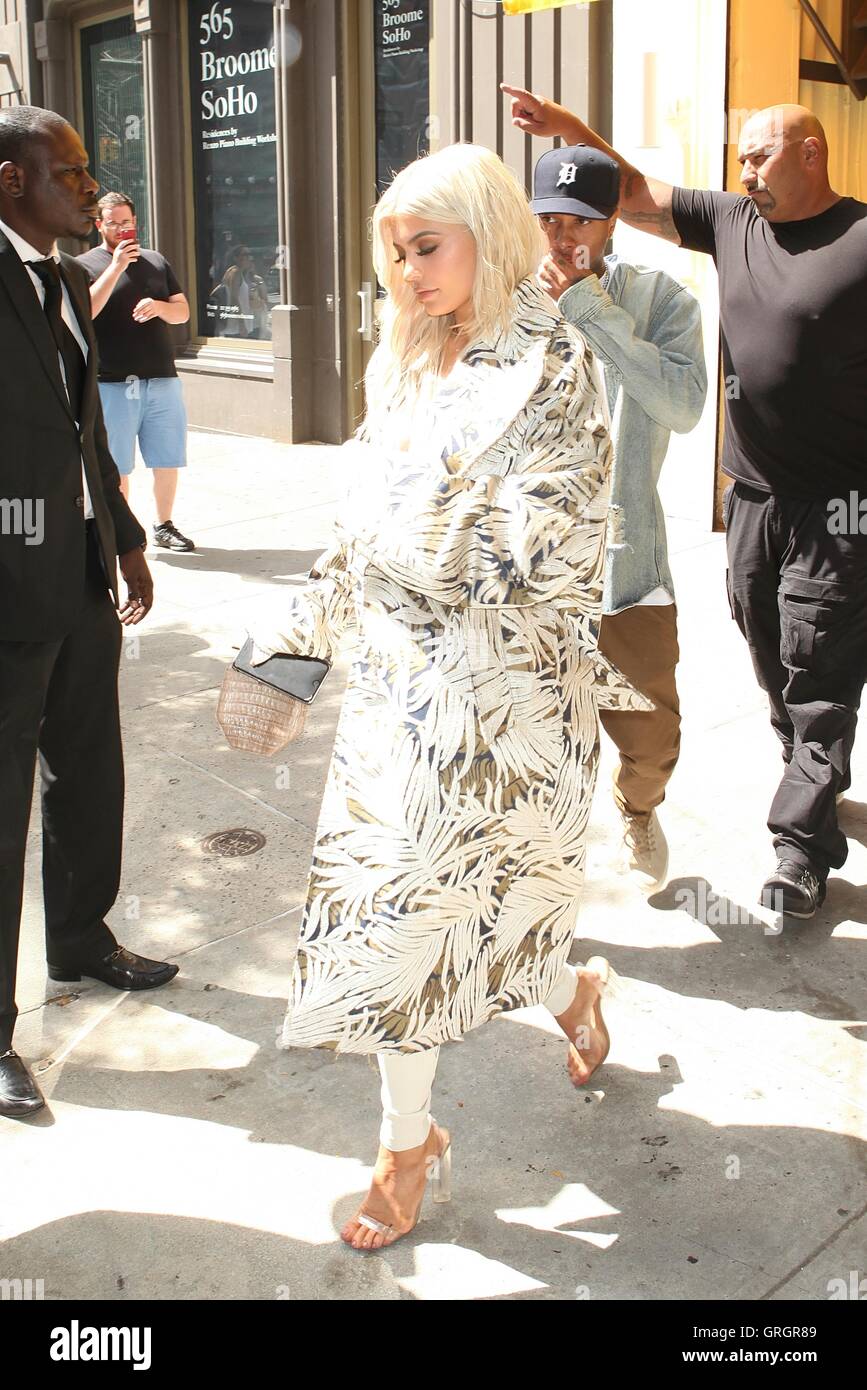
(27,253)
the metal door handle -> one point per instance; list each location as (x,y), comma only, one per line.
(365,294)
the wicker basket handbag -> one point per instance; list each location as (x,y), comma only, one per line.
(260,709)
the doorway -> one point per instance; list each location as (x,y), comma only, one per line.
(115,133)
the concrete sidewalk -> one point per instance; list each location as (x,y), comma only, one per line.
(184,1156)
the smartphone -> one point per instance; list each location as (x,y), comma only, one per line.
(131,235)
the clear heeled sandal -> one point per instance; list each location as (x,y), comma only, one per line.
(438,1174)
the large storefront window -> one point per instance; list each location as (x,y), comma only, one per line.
(235,167)
(114,124)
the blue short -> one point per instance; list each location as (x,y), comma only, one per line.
(151,411)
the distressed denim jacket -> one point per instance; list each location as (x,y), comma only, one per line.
(646,330)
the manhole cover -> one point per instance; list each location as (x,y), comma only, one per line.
(230,843)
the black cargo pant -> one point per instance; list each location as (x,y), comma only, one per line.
(798,593)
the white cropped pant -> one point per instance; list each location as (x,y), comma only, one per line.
(407,1080)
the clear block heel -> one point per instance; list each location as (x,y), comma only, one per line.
(441,1175)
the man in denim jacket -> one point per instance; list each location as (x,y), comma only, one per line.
(646,330)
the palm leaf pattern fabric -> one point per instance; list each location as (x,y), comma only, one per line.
(450,847)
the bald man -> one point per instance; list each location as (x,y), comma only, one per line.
(792,262)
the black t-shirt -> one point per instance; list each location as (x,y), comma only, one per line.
(793,318)
(127,348)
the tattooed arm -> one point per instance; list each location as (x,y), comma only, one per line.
(644,202)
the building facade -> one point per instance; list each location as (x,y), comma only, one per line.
(253,138)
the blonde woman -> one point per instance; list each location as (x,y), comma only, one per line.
(450,849)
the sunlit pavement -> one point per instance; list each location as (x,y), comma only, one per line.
(183,1156)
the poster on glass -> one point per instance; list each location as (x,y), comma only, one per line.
(235,167)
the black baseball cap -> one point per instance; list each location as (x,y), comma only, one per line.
(577,179)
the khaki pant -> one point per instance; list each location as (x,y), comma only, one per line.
(642,642)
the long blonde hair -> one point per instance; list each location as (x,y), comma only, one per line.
(461,185)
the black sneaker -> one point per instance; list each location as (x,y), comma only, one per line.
(793,889)
(168,537)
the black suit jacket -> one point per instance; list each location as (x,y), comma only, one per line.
(41,452)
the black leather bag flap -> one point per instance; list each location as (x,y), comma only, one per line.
(299,676)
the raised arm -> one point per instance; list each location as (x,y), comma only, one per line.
(644,202)
(101,290)
(662,368)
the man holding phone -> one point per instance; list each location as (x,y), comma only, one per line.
(134,295)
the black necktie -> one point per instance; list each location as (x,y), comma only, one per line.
(73,358)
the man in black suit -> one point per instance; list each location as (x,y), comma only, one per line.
(64,525)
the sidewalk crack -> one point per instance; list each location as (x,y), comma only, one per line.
(266,805)
(763,1298)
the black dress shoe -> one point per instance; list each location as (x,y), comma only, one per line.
(793,889)
(121,968)
(19,1093)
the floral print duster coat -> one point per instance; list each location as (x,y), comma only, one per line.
(450,847)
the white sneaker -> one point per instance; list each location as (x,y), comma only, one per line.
(645,850)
